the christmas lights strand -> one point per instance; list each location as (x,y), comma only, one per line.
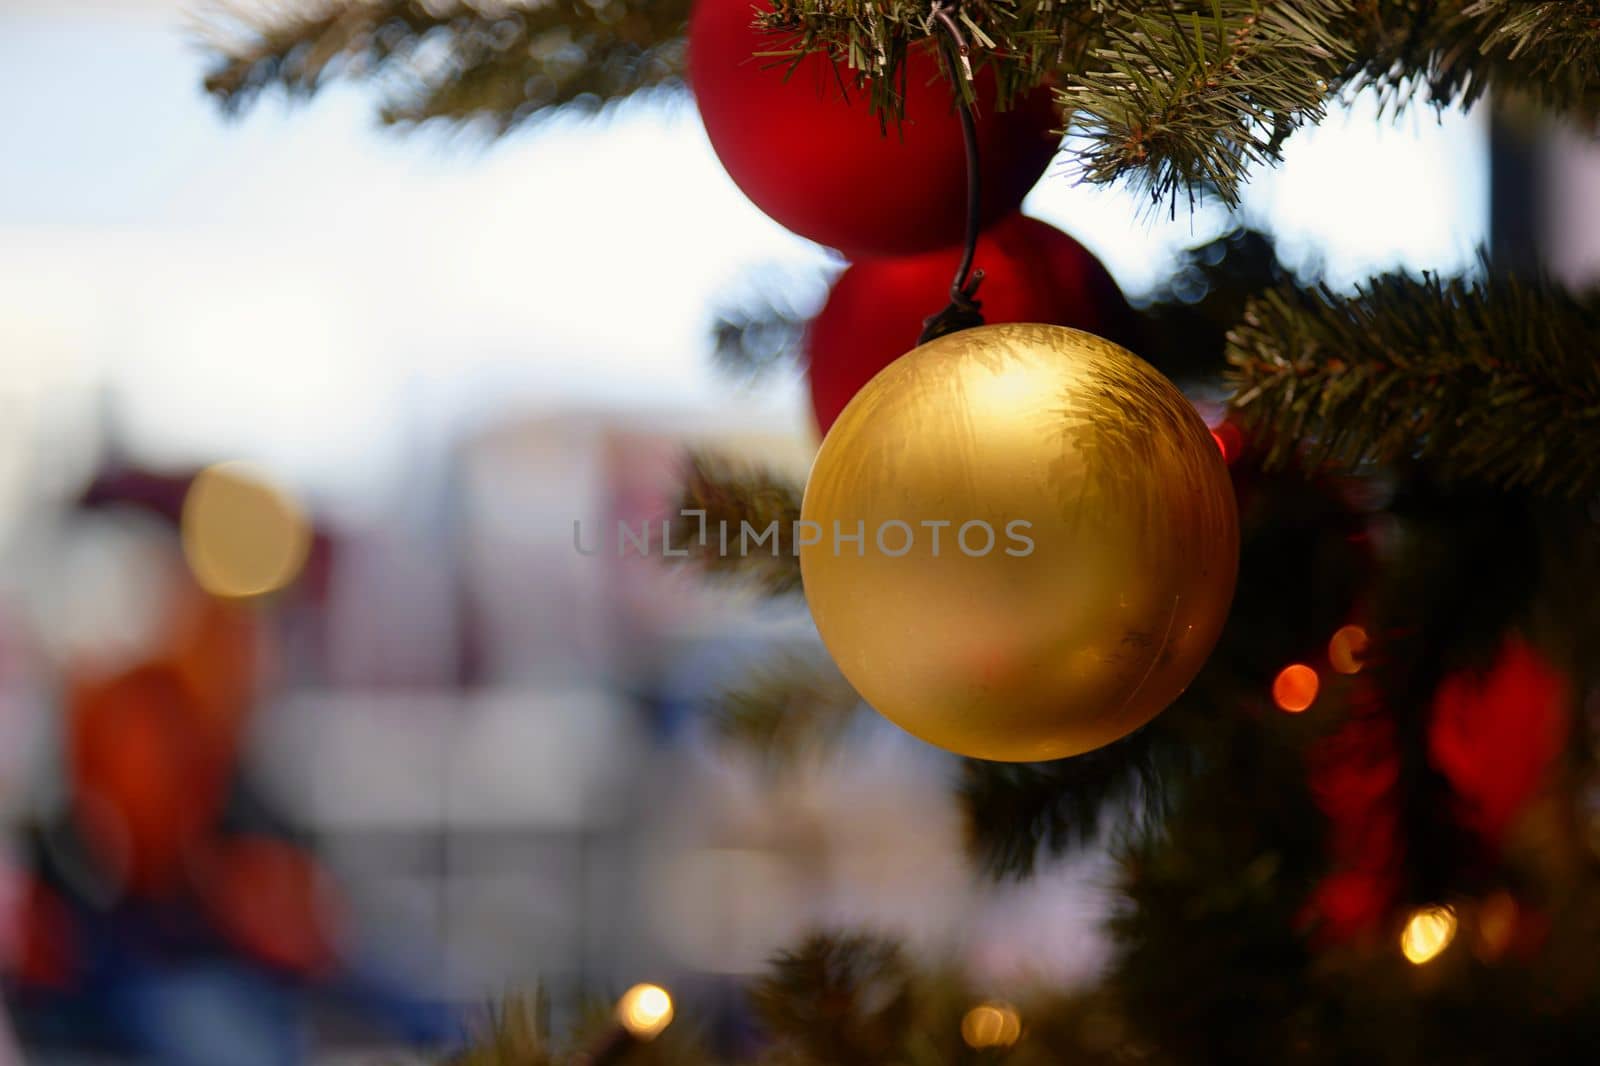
(964,310)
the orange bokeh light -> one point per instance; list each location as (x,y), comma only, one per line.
(1346,648)
(1295,688)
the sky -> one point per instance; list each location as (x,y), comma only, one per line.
(303,288)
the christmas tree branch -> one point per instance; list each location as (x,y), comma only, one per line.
(1021,40)
(841,999)
(1178,96)
(1183,96)
(1019,813)
(1494,381)
(1546,52)
(493,60)
(757,508)
(517,1032)
(1189,96)
(848,999)
(788,707)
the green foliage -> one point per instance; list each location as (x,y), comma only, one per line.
(1017,813)
(1210,959)
(1189,96)
(1184,329)
(1491,380)
(732,497)
(501,62)
(838,999)
(788,707)
(516,1032)
(1186,96)
(1021,41)
(1457,387)
(1460,50)
(849,999)
(1180,96)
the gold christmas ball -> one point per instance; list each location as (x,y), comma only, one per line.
(1019,542)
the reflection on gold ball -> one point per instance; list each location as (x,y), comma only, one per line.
(242,535)
(1047,546)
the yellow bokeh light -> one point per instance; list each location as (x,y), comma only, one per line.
(1427,933)
(644,1011)
(991,1025)
(1346,648)
(242,535)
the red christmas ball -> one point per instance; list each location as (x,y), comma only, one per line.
(805,145)
(1032,273)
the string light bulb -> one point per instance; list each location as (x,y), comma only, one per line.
(1295,688)
(1427,933)
(991,1025)
(645,1010)
(1346,648)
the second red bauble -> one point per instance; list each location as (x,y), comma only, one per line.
(1032,273)
(807,148)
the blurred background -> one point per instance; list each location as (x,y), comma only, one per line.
(316,733)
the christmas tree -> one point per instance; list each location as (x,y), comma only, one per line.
(1407,873)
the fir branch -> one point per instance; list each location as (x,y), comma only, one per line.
(1186,96)
(1494,381)
(1459,50)
(839,999)
(1557,43)
(517,1030)
(1183,331)
(747,503)
(1016,813)
(1180,96)
(493,60)
(847,999)
(790,706)
(1021,41)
